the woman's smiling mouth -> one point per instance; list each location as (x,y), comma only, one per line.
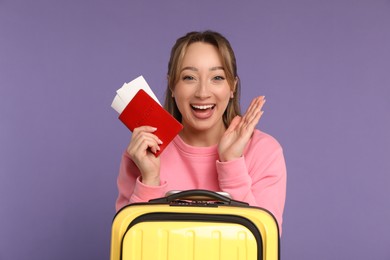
(202,107)
(203,111)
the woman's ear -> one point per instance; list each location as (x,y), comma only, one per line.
(234,88)
(172,93)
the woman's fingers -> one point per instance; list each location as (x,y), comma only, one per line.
(254,112)
(142,140)
(255,107)
(146,131)
(233,124)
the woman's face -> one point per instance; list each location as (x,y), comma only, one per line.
(202,92)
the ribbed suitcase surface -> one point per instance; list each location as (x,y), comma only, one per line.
(188,240)
(151,231)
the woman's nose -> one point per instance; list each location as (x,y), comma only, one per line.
(202,90)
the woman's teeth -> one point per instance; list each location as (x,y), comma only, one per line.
(203,107)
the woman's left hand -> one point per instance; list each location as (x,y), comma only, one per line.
(240,130)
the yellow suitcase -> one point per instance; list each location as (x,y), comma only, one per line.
(196,225)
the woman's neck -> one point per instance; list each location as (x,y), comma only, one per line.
(202,138)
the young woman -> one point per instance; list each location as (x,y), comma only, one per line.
(218,149)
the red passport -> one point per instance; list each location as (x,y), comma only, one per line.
(144,110)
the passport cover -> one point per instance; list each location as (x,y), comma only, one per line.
(144,110)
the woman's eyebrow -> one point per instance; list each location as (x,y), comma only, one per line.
(195,69)
(189,68)
(216,68)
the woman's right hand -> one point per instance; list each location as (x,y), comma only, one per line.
(141,150)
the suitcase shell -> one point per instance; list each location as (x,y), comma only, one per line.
(196,225)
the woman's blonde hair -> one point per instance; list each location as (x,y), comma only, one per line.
(228,62)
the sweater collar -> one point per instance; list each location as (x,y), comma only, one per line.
(195,150)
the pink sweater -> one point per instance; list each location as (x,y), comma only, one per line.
(258,177)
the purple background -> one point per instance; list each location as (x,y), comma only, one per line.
(322,65)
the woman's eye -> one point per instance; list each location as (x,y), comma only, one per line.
(218,78)
(188,77)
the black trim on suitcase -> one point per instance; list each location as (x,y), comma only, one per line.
(164,216)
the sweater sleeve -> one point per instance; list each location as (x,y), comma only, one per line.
(130,187)
(258,178)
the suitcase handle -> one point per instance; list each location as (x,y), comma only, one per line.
(199,195)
